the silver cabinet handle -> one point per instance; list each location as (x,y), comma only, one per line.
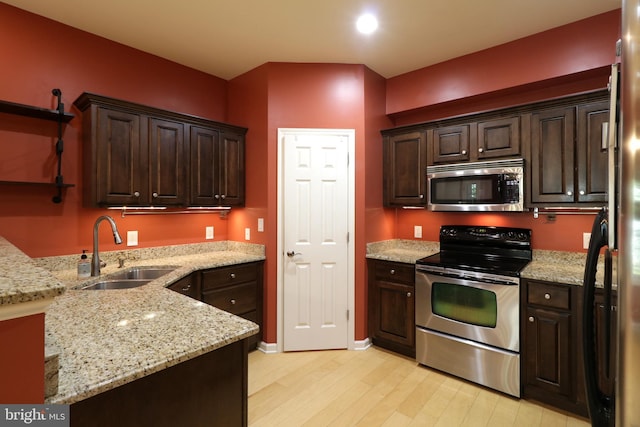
(136,193)
(464,151)
(569,193)
(223,197)
(155,194)
(531,319)
(547,296)
(291,254)
(216,196)
(408,294)
(480,150)
(186,288)
(582,192)
(232,275)
(422,196)
(392,272)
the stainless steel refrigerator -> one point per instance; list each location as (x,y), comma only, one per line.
(616,238)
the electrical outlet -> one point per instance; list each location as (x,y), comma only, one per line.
(247,234)
(417,231)
(585,240)
(209,232)
(132,238)
(260,225)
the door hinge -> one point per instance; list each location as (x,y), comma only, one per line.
(347,315)
(347,237)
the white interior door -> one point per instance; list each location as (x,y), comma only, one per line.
(315,240)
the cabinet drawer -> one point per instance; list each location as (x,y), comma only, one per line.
(235,299)
(227,276)
(549,295)
(395,272)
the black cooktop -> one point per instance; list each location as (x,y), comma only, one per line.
(496,250)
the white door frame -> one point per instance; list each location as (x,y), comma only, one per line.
(351,136)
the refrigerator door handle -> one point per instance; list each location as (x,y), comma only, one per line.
(601,406)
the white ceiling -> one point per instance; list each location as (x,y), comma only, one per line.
(228,38)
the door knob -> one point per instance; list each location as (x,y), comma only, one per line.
(291,254)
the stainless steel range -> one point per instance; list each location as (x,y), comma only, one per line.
(468,304)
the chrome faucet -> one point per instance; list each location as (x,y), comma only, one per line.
(96,264)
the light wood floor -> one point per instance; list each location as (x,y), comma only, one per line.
(377,388)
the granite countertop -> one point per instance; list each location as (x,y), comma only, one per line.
(109,338)
(21,281)
(398,250)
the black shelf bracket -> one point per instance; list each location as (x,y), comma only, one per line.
(59,146)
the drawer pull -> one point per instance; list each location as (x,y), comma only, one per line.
(531,319)
(547,296)
(233,275)
(392,272)
(186,288)
(408,294)
(233,302)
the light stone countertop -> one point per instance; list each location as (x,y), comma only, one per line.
(109,338)
(398,250)
(21,281)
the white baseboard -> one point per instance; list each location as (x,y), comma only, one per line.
(362,345)
(270,348)
(267,347)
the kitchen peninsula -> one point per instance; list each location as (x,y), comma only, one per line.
(173,353)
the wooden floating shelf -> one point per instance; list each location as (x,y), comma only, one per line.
(49,184)
(37,112)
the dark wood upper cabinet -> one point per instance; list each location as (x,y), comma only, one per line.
(552,156)
(451,144)
(498,138)
(404,169)
(167,160)
(568,160)
(591,151)
(135,155)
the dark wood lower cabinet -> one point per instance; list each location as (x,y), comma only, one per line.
(234,288)
(209,390)
(551,346)
(392,306)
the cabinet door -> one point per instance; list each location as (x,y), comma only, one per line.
(547,363)
(451,144)
(499,138)
(404,175)
(552,156)
(592,152)
(205,166)
(232,169)
(167,163)
(121,172)
(395,320)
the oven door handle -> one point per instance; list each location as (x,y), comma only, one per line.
(470,277)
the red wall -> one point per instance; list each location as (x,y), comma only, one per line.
(22,360)
(41,54)
(575,48)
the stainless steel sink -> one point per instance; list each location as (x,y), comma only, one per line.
(148,273)
(115,284)
(130,278)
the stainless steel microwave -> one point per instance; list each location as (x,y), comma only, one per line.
(479,186)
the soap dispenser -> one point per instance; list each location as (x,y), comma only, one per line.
(84,266)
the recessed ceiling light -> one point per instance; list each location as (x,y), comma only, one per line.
(367,23)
